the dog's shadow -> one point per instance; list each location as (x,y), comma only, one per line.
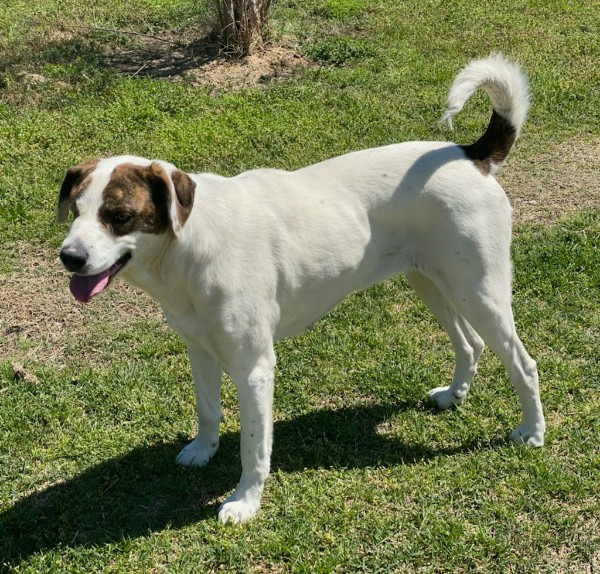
(144,491)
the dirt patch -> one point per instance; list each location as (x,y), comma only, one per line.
(273,63)
(199,62)
(40,320)
(560,181)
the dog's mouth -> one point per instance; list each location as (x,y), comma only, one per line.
(84,287)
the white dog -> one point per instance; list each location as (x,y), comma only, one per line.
(237,263)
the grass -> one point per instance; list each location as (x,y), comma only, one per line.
(367,477)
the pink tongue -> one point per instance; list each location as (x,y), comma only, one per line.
(84,287)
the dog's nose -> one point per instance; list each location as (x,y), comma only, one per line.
(73,258)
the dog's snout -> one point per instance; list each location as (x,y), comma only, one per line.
(73,258)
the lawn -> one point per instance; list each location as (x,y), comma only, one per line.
(96,401)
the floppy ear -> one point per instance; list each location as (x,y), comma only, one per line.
(74,176)
(180,190)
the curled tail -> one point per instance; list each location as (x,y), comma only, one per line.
(508,89)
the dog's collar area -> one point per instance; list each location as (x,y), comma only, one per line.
(85,287)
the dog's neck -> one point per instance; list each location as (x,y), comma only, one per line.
(153,274)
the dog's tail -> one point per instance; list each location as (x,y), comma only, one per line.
(508,89)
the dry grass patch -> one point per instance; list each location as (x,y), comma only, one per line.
(198,60)
(560,181)
(272,63)
(40,319)
(565,559)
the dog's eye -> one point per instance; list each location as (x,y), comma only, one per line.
(122,217)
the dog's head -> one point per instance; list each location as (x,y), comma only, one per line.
(118,204)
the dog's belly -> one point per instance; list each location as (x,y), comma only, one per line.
(298,318)
(303,307)
(300,324)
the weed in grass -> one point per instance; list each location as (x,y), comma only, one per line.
(337,51)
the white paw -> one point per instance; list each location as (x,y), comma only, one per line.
(197,453)
(525,435)
(443,397)
(238,511)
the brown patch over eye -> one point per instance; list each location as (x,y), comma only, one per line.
(135,200)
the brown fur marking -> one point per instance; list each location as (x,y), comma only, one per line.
(74,184)
(493,146)
(135,199)
(185,189)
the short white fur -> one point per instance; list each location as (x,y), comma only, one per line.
(265,254)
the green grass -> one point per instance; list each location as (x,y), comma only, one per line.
(367,477)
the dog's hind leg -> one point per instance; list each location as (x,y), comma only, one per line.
(467,344)
(486,305)
(207,375)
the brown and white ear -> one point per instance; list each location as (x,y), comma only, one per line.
(74,176)
(180,197)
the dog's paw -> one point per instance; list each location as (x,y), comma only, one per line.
(197,453)
(238,511)
(444,398)
(523,434)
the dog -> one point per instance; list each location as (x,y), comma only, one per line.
(237,263)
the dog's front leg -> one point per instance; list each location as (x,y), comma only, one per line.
(254,383)
(207,375)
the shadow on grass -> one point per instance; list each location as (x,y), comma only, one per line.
(144,491)
(143,56)
(158,60)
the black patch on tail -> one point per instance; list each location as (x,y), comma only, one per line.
(493,146)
